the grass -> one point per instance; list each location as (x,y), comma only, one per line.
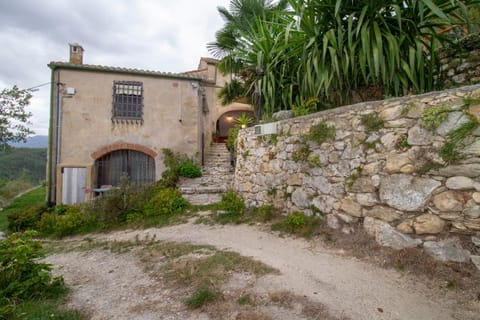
(200,297)
(449,152)
(36,196)
(46,309)
(462,277)
(262,214)
(372,122)
(200,270)
(321,132)
(298,224)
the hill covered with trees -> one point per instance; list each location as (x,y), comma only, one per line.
(23,164)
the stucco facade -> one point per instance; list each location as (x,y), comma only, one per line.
(179,112)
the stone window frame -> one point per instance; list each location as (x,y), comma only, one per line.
(127,102)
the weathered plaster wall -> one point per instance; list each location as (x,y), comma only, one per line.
(391,176)
(171,114)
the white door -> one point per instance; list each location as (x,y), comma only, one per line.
(74,182)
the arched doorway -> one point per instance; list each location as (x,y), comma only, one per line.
(110,167)
(227,121)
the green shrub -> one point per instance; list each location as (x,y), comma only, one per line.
(36,196)
(189,169)
(321,132)
(295,220)
(25,218)
(232,138)
(299,224)
(46,225)
(200,297)
(114,206)
(169,179)
(22,277)
(305,107)
(71,222)
(177,165)
(372,122)
(166,201)
(232,204)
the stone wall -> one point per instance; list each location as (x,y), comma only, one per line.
(460,68)
(381,165)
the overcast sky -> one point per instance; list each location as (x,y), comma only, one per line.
(160,35)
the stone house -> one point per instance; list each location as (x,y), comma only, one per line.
(105,121)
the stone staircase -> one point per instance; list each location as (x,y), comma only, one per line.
(216,179)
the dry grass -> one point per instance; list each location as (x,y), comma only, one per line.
(463,277)
(309,309)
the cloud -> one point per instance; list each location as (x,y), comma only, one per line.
(160,35)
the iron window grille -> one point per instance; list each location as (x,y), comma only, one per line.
(139,167)
(127,102)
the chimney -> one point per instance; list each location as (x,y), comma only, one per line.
(76,53)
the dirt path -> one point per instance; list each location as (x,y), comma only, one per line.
(346,286)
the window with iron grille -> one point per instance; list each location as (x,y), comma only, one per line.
(127,101)
(139,167)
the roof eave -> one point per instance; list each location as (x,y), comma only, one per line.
(94,68)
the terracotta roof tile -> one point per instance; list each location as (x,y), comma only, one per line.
(93,67)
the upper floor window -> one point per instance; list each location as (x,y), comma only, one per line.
(127,101)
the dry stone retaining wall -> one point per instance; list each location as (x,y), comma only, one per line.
(460,68)
(390,177)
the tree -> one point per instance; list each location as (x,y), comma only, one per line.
(14,119)
(336,51)
(240,20)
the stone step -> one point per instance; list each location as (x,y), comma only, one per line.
(204,198)
(203,189)
(225,165)
(216,179)
(217,156)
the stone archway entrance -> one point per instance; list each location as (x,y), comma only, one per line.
(227,121)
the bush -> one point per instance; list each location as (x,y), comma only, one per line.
(189,169)
(321,132)
(46,225)
(232,138)
(72,222)
(306,107)
(114,206)
(299,224)
(25,218)
(166,201)
(22,277)
(177,166)
(295,220)
(67,221)
(232,204)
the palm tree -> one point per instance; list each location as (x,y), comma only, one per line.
(240,20)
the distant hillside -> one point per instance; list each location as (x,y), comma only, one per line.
(35,142)
(23,164)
